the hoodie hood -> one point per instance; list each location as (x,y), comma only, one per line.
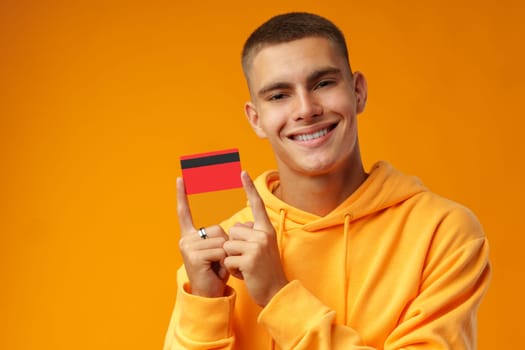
(384,188)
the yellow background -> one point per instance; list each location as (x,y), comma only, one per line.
(99,99)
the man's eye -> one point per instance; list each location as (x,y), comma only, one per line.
(276,97)
(324,83)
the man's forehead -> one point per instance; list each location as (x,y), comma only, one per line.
(307,54)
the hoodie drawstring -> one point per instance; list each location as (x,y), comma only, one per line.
(280,237)
(346,273)
(280,233)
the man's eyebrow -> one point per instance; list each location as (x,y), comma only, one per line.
(317,74)
(312,77)
(273,86)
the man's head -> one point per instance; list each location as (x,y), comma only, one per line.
(289,27)
(304,97)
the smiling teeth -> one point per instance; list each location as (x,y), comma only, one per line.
(308,137)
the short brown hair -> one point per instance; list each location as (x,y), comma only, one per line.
(289,27)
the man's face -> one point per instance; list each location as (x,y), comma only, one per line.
(305,101)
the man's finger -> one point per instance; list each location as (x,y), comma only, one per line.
(183,209)
(260,217)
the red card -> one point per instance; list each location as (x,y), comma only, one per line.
(212,171)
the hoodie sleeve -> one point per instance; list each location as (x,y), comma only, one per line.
(314,329)
(198,322)
(442,316)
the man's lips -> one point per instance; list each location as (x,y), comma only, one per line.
(312,135)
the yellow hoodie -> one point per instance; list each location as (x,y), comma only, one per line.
(393,267)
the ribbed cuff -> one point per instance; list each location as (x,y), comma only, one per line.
(206,319)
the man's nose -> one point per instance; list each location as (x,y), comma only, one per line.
(308,106)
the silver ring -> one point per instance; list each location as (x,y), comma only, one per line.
(202,233)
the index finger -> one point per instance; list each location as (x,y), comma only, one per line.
(183,209)
(260,217)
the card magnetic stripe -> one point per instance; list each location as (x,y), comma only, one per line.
(210,160)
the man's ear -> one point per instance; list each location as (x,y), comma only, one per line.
(253,118)
(360,91)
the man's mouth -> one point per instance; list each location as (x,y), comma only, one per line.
(314,135)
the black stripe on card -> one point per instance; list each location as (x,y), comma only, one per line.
(210,160)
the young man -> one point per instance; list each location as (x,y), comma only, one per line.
(326,256)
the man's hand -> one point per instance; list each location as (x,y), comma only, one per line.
(203,258)
(252,250)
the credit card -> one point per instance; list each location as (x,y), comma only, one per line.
(211,171)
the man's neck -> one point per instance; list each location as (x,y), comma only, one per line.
(320,194)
